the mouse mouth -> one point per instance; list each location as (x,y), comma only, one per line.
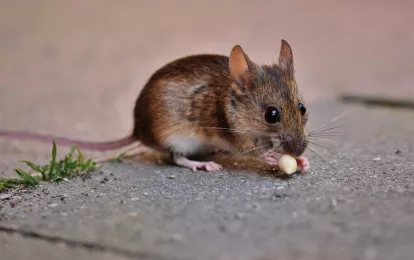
(288,144)
(285,144)
(278,150)
(294,149)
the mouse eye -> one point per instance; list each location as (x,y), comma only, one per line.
(302,109)
(272,115)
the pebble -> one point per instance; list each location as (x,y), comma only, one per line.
(239,216)
(53,205)
(132,214)
(171,176)
(172,238)
(376,159)
(5,196)
(222,228)
(333,203)
(18,198)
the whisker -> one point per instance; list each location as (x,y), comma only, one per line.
(326,134)
(321,138)
(327,129)
(326,140)
(324,130)
(333,120)
(341,115)
(252,149)
(225,129)
(326,148)
(317,153)
(307,154)
(234,131)
(318,143)
(213,127)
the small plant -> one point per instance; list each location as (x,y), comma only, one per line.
(69,167)
(118,158)
(23,179)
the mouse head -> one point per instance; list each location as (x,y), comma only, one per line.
(265,102)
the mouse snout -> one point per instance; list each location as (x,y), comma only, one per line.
(293,145)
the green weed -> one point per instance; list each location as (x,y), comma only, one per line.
(72,165)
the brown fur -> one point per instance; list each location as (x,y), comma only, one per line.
(211,100)
(217,97)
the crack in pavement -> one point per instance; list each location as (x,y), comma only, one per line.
(83,244)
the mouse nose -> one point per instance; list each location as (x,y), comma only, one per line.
(293,145)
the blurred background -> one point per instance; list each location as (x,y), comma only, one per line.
(75,67)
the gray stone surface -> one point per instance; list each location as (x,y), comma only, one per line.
(15,246)
(350,206)
(74,68)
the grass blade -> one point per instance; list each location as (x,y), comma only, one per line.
(119,157)
(35,167)
(81,159)
(56,170)
(52,164)
(29,180)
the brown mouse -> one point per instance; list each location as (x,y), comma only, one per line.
(198,104)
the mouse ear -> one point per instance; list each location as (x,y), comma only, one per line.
(239,64)
(286,59)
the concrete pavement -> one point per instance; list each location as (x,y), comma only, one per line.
(74,68)
(357,204)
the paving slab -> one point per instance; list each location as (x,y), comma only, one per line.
(74,68)
(356,203)
(17,247)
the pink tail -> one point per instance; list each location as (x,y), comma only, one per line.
(99,146)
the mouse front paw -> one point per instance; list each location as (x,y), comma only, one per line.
(270,158)
(303,164)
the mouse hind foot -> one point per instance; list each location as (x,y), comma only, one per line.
(195,165)
(191,145)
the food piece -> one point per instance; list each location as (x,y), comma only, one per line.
(287,164)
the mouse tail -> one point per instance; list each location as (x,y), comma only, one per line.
(97,146)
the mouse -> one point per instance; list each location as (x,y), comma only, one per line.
(198,104)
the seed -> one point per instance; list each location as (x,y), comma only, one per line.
(287,164)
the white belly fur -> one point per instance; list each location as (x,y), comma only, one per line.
(196,145)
